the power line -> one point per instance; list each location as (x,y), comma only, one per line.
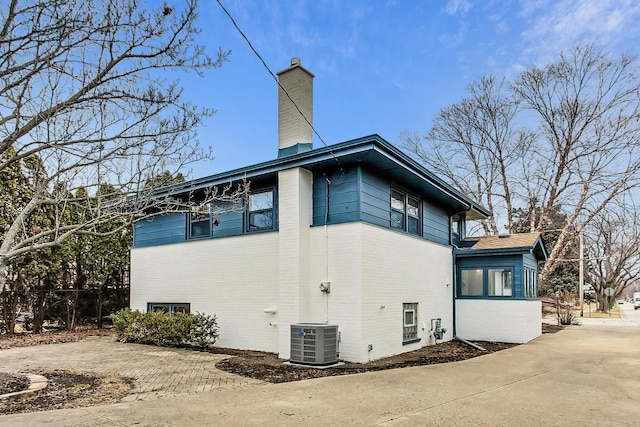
(233,21)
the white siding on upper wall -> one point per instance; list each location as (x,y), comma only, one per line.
(235,278)
(513,321)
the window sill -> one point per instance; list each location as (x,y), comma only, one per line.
(411,341)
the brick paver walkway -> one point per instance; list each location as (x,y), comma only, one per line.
(158,372)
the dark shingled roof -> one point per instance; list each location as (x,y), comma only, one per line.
(506,243)
(520,240)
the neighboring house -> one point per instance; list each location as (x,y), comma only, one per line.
(355,234)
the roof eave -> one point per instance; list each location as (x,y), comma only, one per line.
(327,153)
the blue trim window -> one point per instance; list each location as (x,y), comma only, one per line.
(200,223)
(260,212)
(169,307)
(455,227)
(471,282)
(413,215)
(500,282)
(486,282)
(530,283)
(397,210)
(405,212)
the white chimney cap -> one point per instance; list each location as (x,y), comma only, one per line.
(295,61)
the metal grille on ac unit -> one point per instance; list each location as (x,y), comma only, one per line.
(314,343)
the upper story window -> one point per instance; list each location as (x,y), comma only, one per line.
(260,212)
(200,223)
(455,227)
(405,212)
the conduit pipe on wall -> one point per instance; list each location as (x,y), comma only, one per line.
(326,249)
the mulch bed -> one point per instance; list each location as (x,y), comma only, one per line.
(8,341)
(69,389)
(10,383)
(267,366)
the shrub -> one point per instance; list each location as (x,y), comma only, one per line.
(566,315)
(165,329)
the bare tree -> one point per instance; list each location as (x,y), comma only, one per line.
(561,137)
(613,252)
(477,145)
(85,100)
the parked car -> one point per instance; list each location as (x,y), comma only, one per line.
(636,300)
(589,293)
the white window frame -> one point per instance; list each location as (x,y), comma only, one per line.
(413,317)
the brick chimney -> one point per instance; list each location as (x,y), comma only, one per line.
(294,133)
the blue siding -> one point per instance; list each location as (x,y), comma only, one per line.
(376,195)
(435,223)
(530,261)
(343,198)
(160,230)
(365,196)
(230,224)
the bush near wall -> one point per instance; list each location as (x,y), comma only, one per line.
(165,329)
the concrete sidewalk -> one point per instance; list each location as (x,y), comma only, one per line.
(583,375)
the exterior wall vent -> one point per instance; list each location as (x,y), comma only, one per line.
(314,344)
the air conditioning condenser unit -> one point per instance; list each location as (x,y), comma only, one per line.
(314,344)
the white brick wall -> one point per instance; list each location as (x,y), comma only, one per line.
(399,269)
(372,272)
(515,321)
(235,278)
(295,217)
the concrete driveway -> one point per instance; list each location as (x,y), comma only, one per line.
(583,375)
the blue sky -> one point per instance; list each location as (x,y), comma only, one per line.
(381,66)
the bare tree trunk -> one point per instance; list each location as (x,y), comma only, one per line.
(38,307)
(9,308)
(99,305)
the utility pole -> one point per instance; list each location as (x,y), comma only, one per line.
(581,274)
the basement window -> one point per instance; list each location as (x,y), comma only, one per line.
(169,307)
(410,322)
